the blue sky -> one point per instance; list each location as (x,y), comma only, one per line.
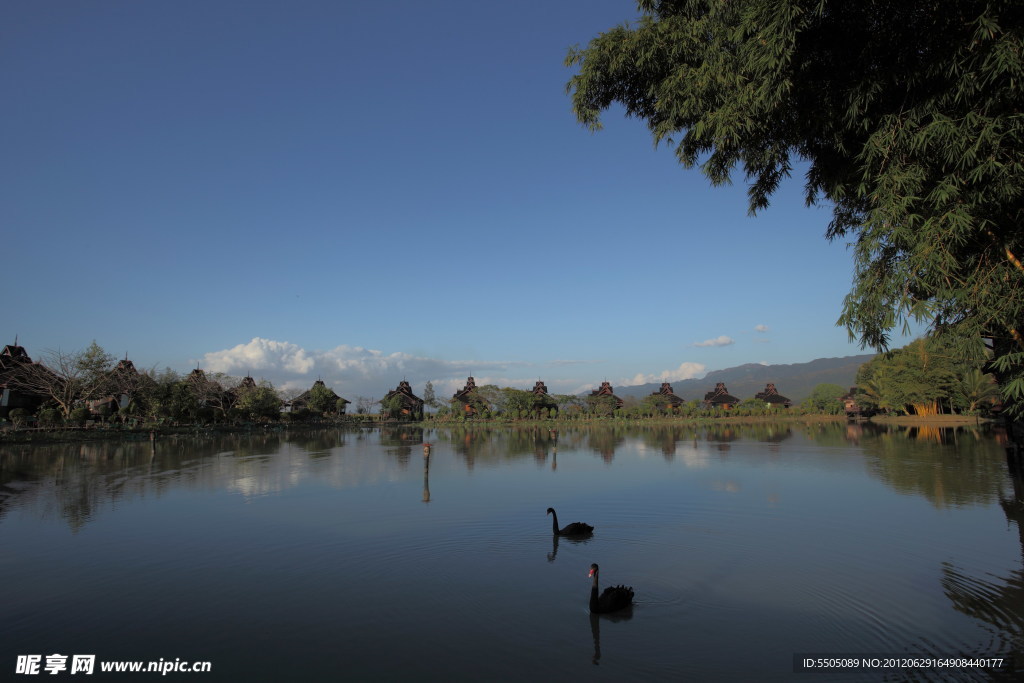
(367,192)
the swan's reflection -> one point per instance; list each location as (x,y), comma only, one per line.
(595,628)
(570,539)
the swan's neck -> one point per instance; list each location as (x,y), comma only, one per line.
(554,522)
(593,594)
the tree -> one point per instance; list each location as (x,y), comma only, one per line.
(321,399)
(825,398)
(919,378)
(259,402)
(66,378)
(364,405)
(518,403)
(976,389)
(907,113)
(430,397)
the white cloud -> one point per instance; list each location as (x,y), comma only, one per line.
(357,371)
(685,370)
(717,341)
(260,354)
(761,328)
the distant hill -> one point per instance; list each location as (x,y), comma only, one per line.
(795,382)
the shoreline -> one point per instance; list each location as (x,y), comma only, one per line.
(36,435)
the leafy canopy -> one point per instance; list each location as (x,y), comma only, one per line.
(908,114)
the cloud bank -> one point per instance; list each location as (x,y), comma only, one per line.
(358,371)
(685,370)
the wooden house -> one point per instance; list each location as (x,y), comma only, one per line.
(410,405)
(770,395)
(674,402)
(543,401)
(850,405)
(301,402)
(13,394)
(469,400)
(603,394)
(720,398)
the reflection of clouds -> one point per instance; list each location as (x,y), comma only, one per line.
(727,486)
(291,466)
(693,456)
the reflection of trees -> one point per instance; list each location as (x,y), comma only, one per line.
(996,602)
(665,438)
(605,440)
(957,467)
(486,445)
(75,481)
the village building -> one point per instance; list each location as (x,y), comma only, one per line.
(124,380)
(598,396)
(14,360)
(674,402)
(469,400)
(850,405)
(720,398)
(301,402)
(410,405)
(770,395)
(543,401)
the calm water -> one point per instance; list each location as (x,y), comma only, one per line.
(348,555)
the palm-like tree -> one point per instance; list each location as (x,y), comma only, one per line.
(977,389)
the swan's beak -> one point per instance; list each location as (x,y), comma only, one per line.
(590,574)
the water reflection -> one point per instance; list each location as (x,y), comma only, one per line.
(595,629)
(574,540)
(426,473)
(950,467)
(996,602)
(843,536)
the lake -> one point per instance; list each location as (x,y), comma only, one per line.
(348,555)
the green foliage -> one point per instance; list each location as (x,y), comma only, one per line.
(79,415)
(18,416)
(907,114)
(260,403)
(825,398)
(517,402)
(94,366)
(391,407)
(430,397)
(50,417)
(919,378)
(976,391)
(321,399)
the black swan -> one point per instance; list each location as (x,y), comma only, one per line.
(613,599)
(574,529)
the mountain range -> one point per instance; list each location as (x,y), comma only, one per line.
(795,381)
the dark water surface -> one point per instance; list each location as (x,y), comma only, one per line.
(346,555)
